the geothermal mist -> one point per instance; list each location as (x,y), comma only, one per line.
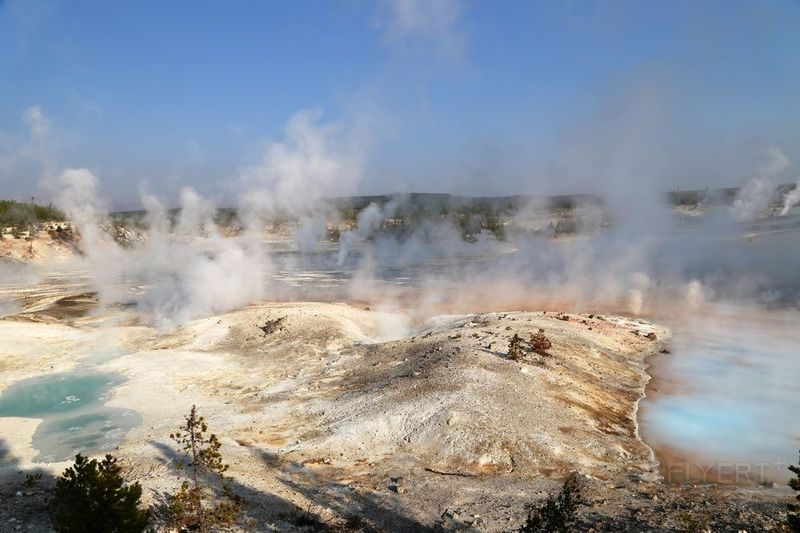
(639,265)
(650,262)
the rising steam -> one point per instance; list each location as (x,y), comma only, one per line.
(791,199)
(757,193)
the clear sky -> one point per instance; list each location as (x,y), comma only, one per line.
(466,96)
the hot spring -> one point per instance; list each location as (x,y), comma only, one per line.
(721,405)
(74,417)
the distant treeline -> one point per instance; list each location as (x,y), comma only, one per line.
(490,210)
(447,203)
(709,196)
(22,214)
(724,196)
(224,217)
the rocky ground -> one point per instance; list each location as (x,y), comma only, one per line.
(356,419)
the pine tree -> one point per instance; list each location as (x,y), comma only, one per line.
(515,350)
(558,513)
(92,496)
(205,480)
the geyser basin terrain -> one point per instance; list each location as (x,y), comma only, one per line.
(338,410)
(314,407)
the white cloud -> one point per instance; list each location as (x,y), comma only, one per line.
(435,22)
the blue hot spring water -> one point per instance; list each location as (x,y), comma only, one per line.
(730,393)
(75,419)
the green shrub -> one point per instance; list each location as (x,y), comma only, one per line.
(794,508)
(558,514)
(23,214)
(32,479)
(539,343)
(694,522)
(92,496)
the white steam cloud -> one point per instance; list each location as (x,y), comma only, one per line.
(27,153)
(758,192)
(185,269)
(191,279)
(314,160)
(179,278)
(79,198)
(368,222)
(791,199)
(37,123)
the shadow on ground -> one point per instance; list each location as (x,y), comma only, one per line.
(332,506)
(23,495)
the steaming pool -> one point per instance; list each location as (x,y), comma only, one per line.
(74,417)
(722,405)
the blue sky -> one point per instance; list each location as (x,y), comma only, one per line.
(465,96)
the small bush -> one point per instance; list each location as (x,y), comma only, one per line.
(333,234)
(92,496)
(794,508)
(694,522)
(493,223)
(557,513)
(515,351)
(32,479)
(308,520)
(539,343)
